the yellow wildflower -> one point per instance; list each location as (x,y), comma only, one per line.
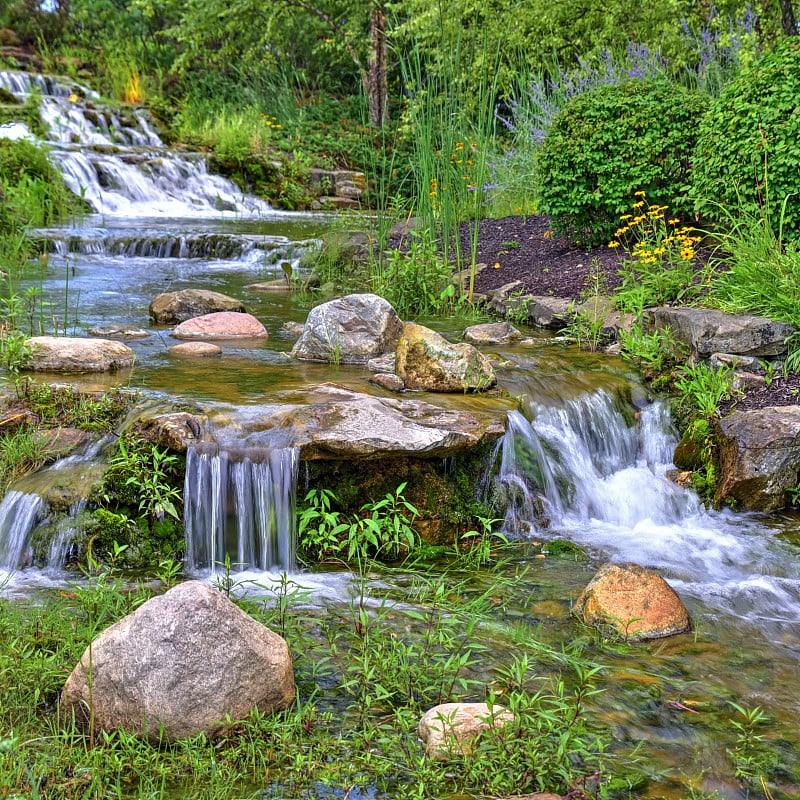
(639,194)
(613,244)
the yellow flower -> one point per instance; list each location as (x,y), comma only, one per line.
(497,265)
(638,204)
(73,98)
(624,217)
(674,221)
(613,244)
(639,194)
(687,254)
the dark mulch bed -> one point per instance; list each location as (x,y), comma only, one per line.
(527,250)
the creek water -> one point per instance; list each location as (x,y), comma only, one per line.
(587,451)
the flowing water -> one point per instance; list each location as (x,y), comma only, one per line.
(584,459)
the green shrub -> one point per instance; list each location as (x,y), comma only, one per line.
(610,142)
(748,147)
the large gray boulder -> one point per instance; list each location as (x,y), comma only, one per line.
(173,307)
(492,333)
(706,331)
(425,360)
(759,455)
(68,354)
(184,663)
(349,330)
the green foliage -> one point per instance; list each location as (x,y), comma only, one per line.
(751,755)
(702,388)
(654,352)
(68,407)
(758,273)
(586,323)
(610,142)
(21,451)
(748,146)
(320,529)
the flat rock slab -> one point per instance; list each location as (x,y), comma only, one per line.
(492,333)
(172,307)
(68,354)
(221,325)
(759,454)
(637,602)
(341,424)
(707,331)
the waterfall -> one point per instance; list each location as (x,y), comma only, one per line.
(589,460)
(241,506)
(595,472)
(19,513)
(118,164)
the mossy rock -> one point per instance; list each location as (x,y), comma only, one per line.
(562,548)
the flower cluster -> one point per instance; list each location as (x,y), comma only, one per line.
(651,238)
(462,162)
(271,122)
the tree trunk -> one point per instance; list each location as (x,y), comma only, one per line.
(787,18)
(377,90)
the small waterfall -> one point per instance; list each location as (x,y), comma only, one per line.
(587,460)
(19,513)
(61,549)
(241,505)
(595,472)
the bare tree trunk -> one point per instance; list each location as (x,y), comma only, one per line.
(788,20)
(377,89)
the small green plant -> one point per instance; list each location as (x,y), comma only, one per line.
(320,529)
(386,530)
(654,352)
(702,388)
(475,546)
(751,757)
(586,323)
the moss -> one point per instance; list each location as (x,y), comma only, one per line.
(442,490)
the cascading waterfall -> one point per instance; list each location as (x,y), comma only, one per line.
(241,505)
(595,472)
(118,163)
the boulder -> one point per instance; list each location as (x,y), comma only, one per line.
(221,325)
(175,430)
(759,457)
(184,663)
(425,360)
(118,330)
(492,333)
(636,601)
(196,349)
(68,354)
(341,424)
(172,307)
(449,729)
(382,363)
(707,331)
(349,330)
(388,381)
(292,330)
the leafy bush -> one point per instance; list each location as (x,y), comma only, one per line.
(748,147)
(609,142)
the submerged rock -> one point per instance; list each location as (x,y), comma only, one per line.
(637,602)
(68,354)
(118,330)
(196,349)
(707,331)
(759,457)
(427,361)
(349,330)
(184,663)
(221,325)
(388,381)
(449,729)
(172,307)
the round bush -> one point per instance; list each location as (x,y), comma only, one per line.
(610,142)
(748,148)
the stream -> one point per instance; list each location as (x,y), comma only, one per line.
(160,222)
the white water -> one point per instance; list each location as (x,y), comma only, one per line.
(240,508)
(19,512)
(584,472)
